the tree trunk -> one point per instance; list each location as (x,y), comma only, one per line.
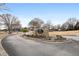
(9,30)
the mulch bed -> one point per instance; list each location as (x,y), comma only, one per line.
(53,39)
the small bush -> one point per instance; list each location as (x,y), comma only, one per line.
(24,30)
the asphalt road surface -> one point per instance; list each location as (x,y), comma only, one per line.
(18,46)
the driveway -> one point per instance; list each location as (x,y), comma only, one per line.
(16,45)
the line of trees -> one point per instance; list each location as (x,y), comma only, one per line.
(70,24)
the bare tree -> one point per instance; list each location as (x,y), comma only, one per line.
(8,20)
(16,26)
(70,24)
(76,27)
(35,23)
(3,7)
(57,27)
(48,25)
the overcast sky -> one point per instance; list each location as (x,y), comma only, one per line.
(55,13)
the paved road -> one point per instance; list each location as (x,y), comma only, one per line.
(16,45)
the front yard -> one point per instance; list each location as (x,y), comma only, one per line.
(65,33)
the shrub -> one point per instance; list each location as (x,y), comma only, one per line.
(24,30)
